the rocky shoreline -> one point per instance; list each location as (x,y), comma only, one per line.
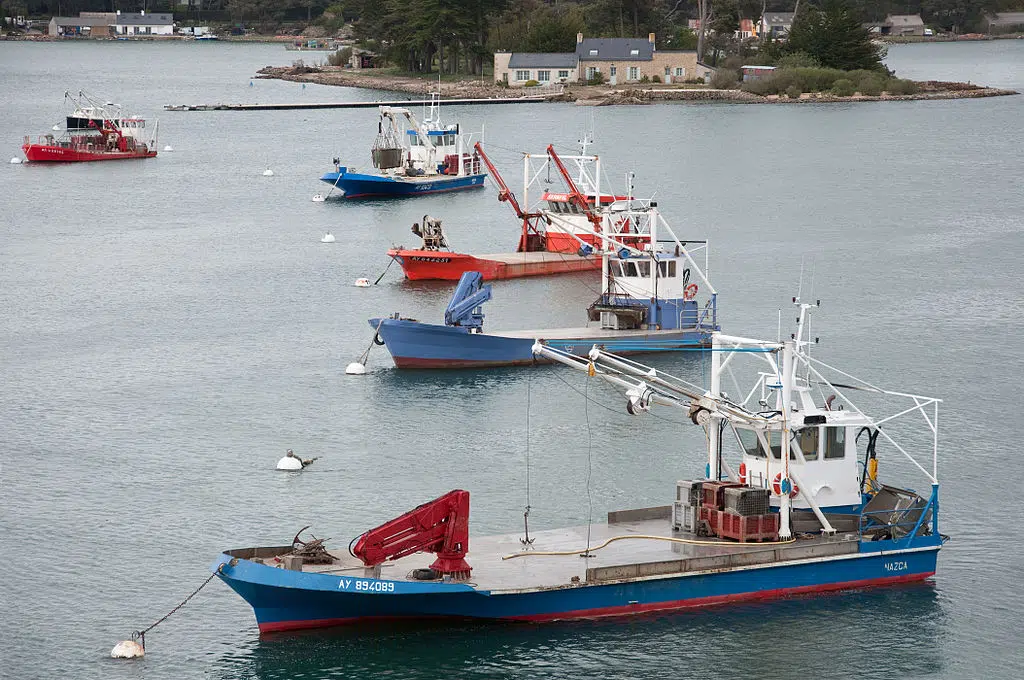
(598,95)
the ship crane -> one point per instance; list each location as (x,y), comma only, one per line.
(574,193)
(532,238)
(440,526)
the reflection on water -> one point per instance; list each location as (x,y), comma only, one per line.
(818,635)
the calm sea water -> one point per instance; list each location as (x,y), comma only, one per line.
(170,327)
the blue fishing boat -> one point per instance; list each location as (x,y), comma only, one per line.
(654,298)
(411,158)
(809,516)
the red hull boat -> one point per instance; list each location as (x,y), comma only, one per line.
(433,265)
(95,132)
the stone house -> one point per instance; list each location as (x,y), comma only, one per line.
(775,24)
(618,60)
(85,25)
(902,24)
(516,68)
(132,24)
(1004,22)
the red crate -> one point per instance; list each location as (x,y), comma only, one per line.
(748,528)
(712,517)
(713,493)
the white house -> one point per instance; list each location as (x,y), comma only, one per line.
(775,24)
(130,23)
(517,68)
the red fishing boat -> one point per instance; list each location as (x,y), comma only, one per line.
(95,132)
(561,236)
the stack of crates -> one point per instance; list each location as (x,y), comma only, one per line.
(712,502)
(687,503)
(747,516)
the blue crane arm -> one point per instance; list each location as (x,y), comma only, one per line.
(465,306)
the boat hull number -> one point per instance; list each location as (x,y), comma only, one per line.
(366,586)
(898,565)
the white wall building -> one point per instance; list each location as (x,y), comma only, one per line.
(130,23)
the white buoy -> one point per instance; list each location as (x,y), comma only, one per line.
(268,173)
(319,198)
(289,464)
(127,649)
(15,161)
(362,283)
(328,238)
(168,148)
(355,368)
(56,127)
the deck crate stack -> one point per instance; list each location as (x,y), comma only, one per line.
(747,516)
(686,508)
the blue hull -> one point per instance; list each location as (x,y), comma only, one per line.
(422,345)
(358,185)
(289,600)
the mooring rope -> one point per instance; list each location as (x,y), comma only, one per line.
(140,635)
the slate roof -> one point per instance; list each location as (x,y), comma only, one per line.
(618,49)
(81,21)
(1006,18)
(542,60)
(904,20)
(778,18)
(144,20)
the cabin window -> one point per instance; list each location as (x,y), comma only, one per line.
(748,439)
(629,268)
(835,443)
(667,269)
(775,439)
(544,76)
(522,75)
(645,268)
(808,441)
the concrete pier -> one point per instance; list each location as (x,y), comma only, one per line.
(351,105)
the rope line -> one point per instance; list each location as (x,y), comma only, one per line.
(590,468)
(648,537)
(140,635)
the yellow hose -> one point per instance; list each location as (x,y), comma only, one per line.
(690,541)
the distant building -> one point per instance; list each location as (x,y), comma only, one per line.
(746,29)
(750,73)
(132,24)
(902,24)
(775,24)
(85,25)
(617,60)
(1004,22)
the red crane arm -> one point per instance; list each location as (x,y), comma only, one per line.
(574,193)
(440,526)
(504,193)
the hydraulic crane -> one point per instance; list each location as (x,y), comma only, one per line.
(440,526)
(532,238)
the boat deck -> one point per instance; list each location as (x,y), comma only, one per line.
(621,559)
(590,332)
(538,257)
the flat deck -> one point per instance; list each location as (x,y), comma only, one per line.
(584,333)
(627,558)
(538,258)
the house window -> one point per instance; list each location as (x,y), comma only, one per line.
(593,53)
(634,53)
(592,71)
(634,73)
(612,71)
(522,75)
(680,71)
(668,70)
(563,74)
(544,76)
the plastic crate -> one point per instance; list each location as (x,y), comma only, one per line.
(714,493)
(744,528)
(688,491)
(747,501)
(711,516)
(684,517)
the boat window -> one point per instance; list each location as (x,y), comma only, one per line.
(808,441)
(645,268)
(672,268)
(835,443)
(555,206)
(629,268)
(775,440)
(667,269)
(748,439)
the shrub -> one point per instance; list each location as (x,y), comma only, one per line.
(871,87)
(645,79)
(531,83)
(655,79)
(794,92)
(725,79)
(733,63)
(763,87)
(597,79)
(816,79)
(901,86)
(843,87)
(694,81)
(340,57)
(798,60)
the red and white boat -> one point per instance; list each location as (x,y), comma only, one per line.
(95,132)
(560,236)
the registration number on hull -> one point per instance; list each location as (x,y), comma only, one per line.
(897,565)
(366,586)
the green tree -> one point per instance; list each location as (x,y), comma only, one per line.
(835,37)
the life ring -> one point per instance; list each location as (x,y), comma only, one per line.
(690,291)
(777,486)
(377,340)
(743,473)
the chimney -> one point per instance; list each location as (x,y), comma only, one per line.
(144,14)
(579,38)
(650,39)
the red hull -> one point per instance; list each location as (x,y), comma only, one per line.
(420,265)
(44,153)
